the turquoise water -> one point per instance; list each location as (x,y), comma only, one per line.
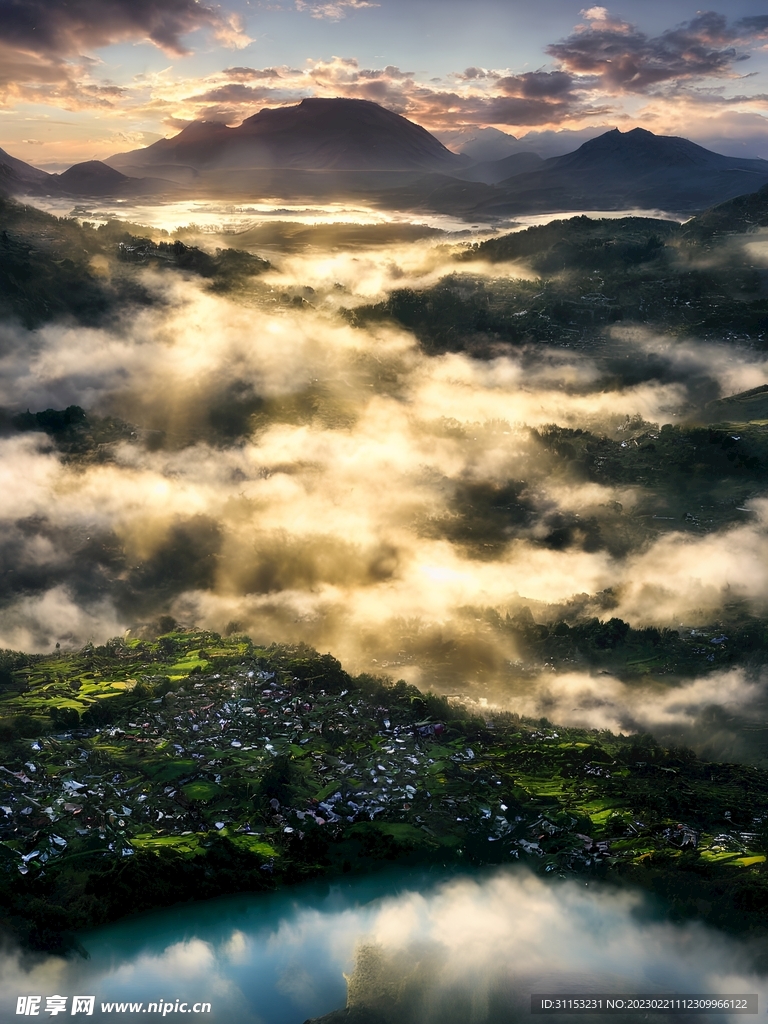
(274,958)
(277,958)
(464,943)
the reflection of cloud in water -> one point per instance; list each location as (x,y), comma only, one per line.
(476,950)
(482,942)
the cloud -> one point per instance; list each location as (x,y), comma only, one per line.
(473,74)
(63,27)
(333,11)
(622,59)
(41,44)
(337,486)
(534,98)
(709,713)
(53,80)
(595,14)
(537,84)
(603,59)
(232,94)
(252,74)
(756,25)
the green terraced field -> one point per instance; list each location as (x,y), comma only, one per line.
(262,766)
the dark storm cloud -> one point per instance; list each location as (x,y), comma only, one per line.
(624,59)
(65,26)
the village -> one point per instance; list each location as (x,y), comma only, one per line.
(173,747)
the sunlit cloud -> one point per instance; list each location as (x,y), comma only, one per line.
(42,44)
(325,512)
(592,74)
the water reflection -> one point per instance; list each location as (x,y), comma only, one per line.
(474,945)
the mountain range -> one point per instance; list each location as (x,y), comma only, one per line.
(93,178)
(620,170)
(329,148)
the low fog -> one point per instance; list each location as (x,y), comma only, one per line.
(282,472)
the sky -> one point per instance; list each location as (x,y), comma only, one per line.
(83,79)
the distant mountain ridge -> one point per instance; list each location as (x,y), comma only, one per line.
(615,170)
(333,148)
(96,178)
(493,171)
(640,151)
(91,174)
(317,134)
(92,178)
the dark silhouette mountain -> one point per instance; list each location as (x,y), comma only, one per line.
(95,178)
(17,177)
(325,147)
(317,134)
(620,170)
(337,148)
(639,152)
(92,178)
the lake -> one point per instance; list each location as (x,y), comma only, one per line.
(465,947)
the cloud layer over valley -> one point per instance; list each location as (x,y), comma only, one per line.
(254,461)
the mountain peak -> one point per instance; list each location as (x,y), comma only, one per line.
(640,149)
(318,133)
(91,171)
